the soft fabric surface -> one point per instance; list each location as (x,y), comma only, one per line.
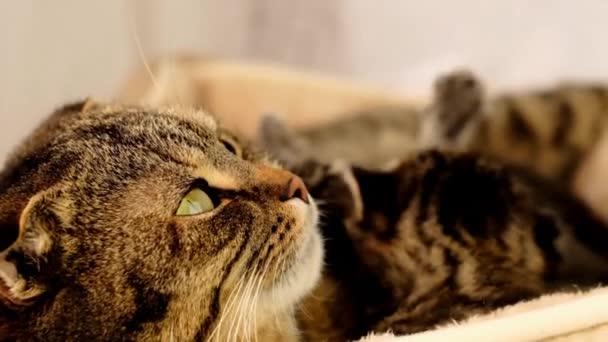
(580,316)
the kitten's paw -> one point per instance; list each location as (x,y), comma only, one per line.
(457,104)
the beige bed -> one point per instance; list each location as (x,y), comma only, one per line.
(241,92)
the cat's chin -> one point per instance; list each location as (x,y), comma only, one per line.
(305,272)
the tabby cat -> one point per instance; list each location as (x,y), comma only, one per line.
(439,237)
(126,223)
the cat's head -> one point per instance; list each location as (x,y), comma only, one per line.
(137,223)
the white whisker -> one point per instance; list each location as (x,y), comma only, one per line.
(278,273)
(236,316)
(244,299)
(230,302)
(249,310)
(255,304)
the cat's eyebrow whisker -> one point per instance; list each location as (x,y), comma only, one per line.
(140,51)
(173,65)
(144,61)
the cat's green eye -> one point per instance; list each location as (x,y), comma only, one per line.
(195,202)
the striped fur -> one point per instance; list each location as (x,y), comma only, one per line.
(92,250)
(548,131)
(439,237)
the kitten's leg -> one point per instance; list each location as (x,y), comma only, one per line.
(454,116)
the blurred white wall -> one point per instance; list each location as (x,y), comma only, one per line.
(55,51)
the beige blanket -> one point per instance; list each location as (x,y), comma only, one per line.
(581,316)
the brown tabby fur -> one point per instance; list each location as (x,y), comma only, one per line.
(440,237)
(91,249)
(559,133)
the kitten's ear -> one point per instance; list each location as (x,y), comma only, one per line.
(280,141)
(25,244)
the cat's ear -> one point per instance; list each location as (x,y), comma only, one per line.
(85,105)
(25,244)
(89,104)
(280,141)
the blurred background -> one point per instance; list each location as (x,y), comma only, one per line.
(63,50)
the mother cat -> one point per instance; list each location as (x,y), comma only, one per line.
(137,224)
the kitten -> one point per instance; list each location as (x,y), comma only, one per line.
(440,237)
(558,133)
(126,223)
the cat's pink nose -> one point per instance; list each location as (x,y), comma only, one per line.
(296,189)
(280,184)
